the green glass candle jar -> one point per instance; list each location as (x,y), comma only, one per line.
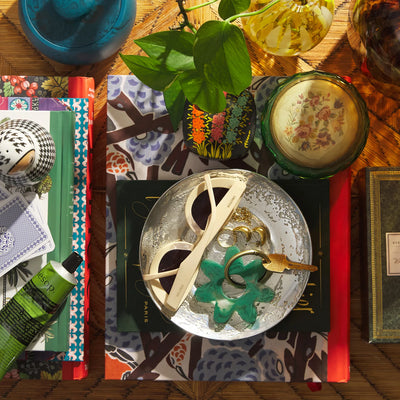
(315,124)
(289,27)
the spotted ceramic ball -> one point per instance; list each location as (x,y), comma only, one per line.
(27,152)
(223,136)
(17,152)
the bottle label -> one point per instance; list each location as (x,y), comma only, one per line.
(18,322)
(37,295)
(53,287)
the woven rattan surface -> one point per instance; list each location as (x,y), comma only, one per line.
(375,369)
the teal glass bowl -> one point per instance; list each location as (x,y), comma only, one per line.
(77,32)
(315,124)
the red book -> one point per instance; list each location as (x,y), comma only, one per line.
(340,218)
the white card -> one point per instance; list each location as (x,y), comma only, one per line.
(22,233)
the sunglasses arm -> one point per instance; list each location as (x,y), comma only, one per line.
(187,271)
(159,275)
(210,193)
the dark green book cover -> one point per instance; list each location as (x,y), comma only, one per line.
(382,283)
(137,312)
(312,312)
(60,213)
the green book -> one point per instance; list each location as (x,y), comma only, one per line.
(60,211)
(137,312)
(312,312)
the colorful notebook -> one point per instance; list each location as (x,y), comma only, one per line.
(73,363)
(142,146)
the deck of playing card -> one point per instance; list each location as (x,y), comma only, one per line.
(23,233)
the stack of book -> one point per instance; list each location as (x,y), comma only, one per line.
(144,157)
(62,351)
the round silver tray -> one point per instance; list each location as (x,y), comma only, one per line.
(263,203)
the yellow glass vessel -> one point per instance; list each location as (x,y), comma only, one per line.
(289,27)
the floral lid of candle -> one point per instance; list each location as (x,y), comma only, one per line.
(315,124)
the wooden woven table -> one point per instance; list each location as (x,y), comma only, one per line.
(375,369)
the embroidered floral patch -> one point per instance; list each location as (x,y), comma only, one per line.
(314,121)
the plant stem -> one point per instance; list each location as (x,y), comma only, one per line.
(186,21)
(249,14)
(200,5)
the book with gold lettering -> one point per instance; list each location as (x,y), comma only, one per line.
(137,312)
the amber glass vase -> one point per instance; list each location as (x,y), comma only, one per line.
(374,35)
(289,27)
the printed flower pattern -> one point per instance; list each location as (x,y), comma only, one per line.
(19,104)
(152,149)
(116,163)
(198,126)
(223,135)
(315,121)
(217,130)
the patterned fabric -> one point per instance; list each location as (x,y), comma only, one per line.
(141,145)
(33,87)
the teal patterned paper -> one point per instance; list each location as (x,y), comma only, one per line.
(76,345)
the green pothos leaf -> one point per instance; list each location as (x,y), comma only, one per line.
(201,92)
(172,48)
(221,56)
(175,103)
(150,71)
(227,8)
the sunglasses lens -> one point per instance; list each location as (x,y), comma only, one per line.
(201,207)
(169,261)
